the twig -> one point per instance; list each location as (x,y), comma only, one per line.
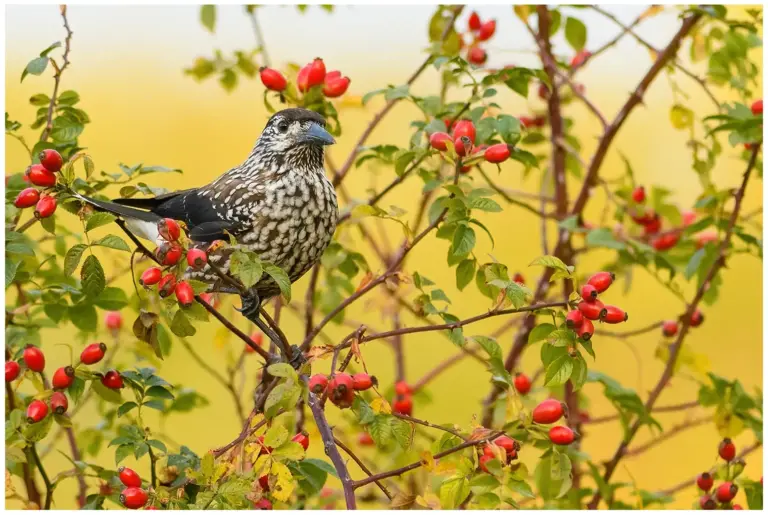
(48,485)
(362,466)
(33,494)
(622,335)
(152,463)
(251,11)
(57,76)
(309,299)
(226,323)
(509,198)
(247,431)
(666,435)
(429,424)
(660,409)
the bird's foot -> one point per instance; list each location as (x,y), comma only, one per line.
(250,306)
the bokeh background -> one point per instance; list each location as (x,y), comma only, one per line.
(127,64)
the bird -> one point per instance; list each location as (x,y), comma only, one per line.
(278,203)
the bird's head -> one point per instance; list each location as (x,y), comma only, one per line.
(296,136)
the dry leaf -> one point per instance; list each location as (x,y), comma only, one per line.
(380,405)
(365,281)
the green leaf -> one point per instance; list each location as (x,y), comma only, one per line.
(282,370)
(681,117)
(36,67)
(284,395)
(72,258)
(485,204)
(453,492)
(540,332)
(112,242)
(575,33)
(483,483)
(108,394)
(521,487)
(276,436)
(99,219)
(489,345)
(111,298)
(579,374)
(125,408)
(76,390)
(693,264)
(83,316)
(465,272)
(463,241)
(159,392)
(208,17)
(11,267)
(181,326)
(281,278)
(246,266)
(92,277)
(122,452)
(551,262)
(604,238)
(292,451)
(559,371)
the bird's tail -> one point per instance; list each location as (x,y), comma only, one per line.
(142,223)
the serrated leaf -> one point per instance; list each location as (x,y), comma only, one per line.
(575,33)
(125,408)
(108,394)
(559,371)
(276,436)
(113,242)
(551,262)
(282,370)
(11,267)
(98,220)
(247,267)
(465,272)
(463,241)
(72,258)
(281,278)
(159,392)
(540,332)
(92,277)
(290,450)
(181,326)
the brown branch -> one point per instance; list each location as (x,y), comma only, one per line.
(309,299)
(33,494)
(675,348)
(44,475)
(510,199)
(660,409)
(363,467)
(666,435)
(57,76)
(429,424)
(623,335)
(245,433)
(226,323)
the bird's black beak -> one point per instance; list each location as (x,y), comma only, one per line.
(317,135)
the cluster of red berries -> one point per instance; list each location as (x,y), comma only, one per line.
(549,412)
(311,75)
(533,122)
(725,492)
(590,308)
(169,254)
(44,176)
(302,439)
(133,496)
(670,327)
(403,401)
(341,387)
(478,32)
(34,359)
(494,451)
(651,223)
(581,57)
(463,139)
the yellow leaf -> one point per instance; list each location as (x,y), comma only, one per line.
(352,101)
(429,501)
(652,11)
(428,460)
(284,483)
(444,467)
(380,405)
(256,420)
(523,11)
(681,117)
(728,425)
(365,281)
(653,54)
(220,471)
(261,465)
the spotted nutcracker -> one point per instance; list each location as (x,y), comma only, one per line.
(277,203)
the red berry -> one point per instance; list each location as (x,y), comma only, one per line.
(580,58)
(561,435)
(93,353)
(705,481)
(526,121)
(688,218)
(403,405)
(302,439)
(12,370)
(615,315)
(727,450)
(508,444)
(63,378)
(588,292)
(316,72)
(339,385)
(168,254)
(34,358)
(669,328)
(438,139)
(518,278)
(51,160)
(133,498)
(302,78)
(462,149)
(59,403)
(272,79)
(40,176)
(602,280)
(365,439)
(262,504)
(362,381)
(197,258)
(318,383)
(737,507)
(644,218)
(486,30)
(344,400)
(129,477)
(464,128)
(586,329)
(167,285)
(169,229)
(574,319)
(476,55)
(263,448)
(474,21)
(150,276)
(697,318)
(45,207)
(653,227)
(483,460)
(336,87)
(113,380)
(757,107)
(36,411)
(707,503)
(548,411)
(592,309)
(497,153)
(522,383)
(705,237)
(184,293)
(726,492)
(402,388)
(113,320)
(27,198)
(665,241)
(264,482)
(638,194)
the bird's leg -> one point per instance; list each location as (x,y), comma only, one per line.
(250,310)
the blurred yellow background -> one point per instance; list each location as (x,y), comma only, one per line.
(127,67)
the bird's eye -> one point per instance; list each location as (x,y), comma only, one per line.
(282,127)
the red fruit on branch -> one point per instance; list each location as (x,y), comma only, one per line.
(727,450)
(40,176)
(737,507)
(27,198)
(166,286)
(113,320)
(652,227)
(548,411)
(36,411)
(588,292)
(302,80)
(688,218)
(184,293)
(45,207)
(705,481)
(272,79)
(438,140)
(150,276)
(665,241)
(51,160)
(474,22)
(522,383)
(697,318)
(341,383)
(316,73)
(402,388)
(486,30)
(264,482)
(63,378)
(508,444)
(614,315)
(561,435)
(59,403)
(12,370)
(169,229)
(133,498)
(602,280)
(336,86)
(638,194)
(318,383)
(343,400)
(705,237)
(365,439)
(497,153)
(707,503)
(362,381)
(403,405)
(463,147)
(262,504)
(518,278)
(302,439)
(484,459)
(129,477)
(669,328)
(476,55)
(757,107)
(586,330)
(580,58)
(93,353)
(592,309)
(464,128)
(168,254)
(34,358)
(112,380)
(726,492)
(573,319)
(197,258)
